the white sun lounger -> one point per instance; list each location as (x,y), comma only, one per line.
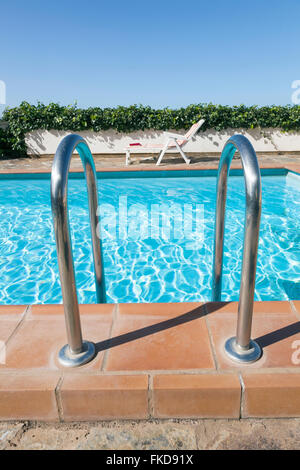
(173,141)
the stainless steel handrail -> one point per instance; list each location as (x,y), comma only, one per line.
(77,351)
(240,348)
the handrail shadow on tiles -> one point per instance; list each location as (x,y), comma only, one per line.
(240,348)
(76,352)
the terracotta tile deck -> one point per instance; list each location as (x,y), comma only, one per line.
(117,163)
(141,339)
(153,360)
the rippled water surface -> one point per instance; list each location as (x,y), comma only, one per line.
(157,239)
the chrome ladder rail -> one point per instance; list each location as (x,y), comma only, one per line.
(76,352)
(240,348)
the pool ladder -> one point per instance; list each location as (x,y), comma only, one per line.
(78,352)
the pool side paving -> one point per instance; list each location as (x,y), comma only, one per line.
(117,163)
(153,360)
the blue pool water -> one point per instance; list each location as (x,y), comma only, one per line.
(157,234)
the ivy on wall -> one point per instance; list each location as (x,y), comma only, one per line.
(26,118)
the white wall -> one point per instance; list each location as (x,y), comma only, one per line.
(42,142)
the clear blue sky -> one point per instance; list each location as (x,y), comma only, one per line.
(162,53)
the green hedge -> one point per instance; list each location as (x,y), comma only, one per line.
(26,117)
(7,142)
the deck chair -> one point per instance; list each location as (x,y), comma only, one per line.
(172,141)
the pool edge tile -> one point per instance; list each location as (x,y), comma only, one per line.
(160,309)
(104,397)
(36,342)
(13,309)
(196,396)
(275,333)
(84,309)
(274,395)
(296,304)
(259,307)
(165,343)
(29,397)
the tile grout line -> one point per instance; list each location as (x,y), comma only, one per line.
(211,341)
(294,310)
(59,400)
(23,318)
(150,396)
(113,321)
(242,395)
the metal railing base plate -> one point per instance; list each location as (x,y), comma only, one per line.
(237,354)
(69,359)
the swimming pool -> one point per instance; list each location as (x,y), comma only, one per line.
(157,233)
